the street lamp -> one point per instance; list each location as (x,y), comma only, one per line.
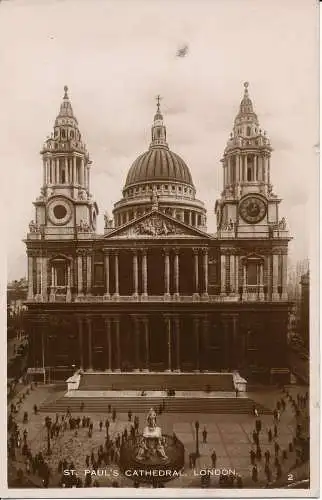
(197,438)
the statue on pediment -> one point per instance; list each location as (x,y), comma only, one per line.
(156,227)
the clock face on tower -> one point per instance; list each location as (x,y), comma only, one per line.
(252,209)
(59,211)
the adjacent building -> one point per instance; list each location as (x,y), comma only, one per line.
(156,291)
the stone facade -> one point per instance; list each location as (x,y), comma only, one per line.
(156,292)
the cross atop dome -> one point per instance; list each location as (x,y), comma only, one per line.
(65,92)
(158,99)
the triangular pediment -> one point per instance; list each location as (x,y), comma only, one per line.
(156,224)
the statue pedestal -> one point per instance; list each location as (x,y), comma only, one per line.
(152,432)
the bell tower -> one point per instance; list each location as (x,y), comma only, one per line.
(65,205)
(247,207)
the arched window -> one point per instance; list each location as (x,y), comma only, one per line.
(248,131)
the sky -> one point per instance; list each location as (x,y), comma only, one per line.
(116,56)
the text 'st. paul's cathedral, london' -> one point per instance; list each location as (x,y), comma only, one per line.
(156,292)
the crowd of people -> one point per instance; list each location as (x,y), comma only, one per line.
(280,455)
(108,452)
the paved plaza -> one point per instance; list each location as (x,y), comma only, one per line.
(229,435)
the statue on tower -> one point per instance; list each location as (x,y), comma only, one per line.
(108,222)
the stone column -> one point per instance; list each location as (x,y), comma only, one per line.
(205,271)
(89,274)
(57,170)
(177,337)
(168,329)
(236,273)
(232,274)
(147,344)
(223,275)
(68,290)
(261,281)
(39,278)
(137,343)
(90,361)
(66,171)
(205,328)
(107,275)
(30,278)
(284,277)
(74,170)
(144,274)
(109,344)
(44,172)
(255,168)
(166,274)
(82,173)
(176,273)
(244,281)
(118,344)
(52,285)
(275,295)
(197,342)
(135,275)
(80,337)
(196,271)
(117,285)
(79,273)
(190,218)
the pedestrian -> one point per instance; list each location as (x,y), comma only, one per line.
(204,435)
(276,448)
(284,454)
(101,425)
(213,459)
(236,392)
(129,415)
(255,437)
(267,456)
(255,474)
(256,412)
(258,425)
(35,409)
(270,436)
(275,430)
(114,415)
(259,453)
(278,415)
(252,457)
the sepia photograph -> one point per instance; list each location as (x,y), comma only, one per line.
(161,169)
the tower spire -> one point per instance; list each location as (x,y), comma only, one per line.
(158,131)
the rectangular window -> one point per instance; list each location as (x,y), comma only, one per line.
(252,274)
(61,274)
(98,274)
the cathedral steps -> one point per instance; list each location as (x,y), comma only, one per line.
(142,404)
(155,381)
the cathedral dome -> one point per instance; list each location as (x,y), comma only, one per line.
(158,164)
